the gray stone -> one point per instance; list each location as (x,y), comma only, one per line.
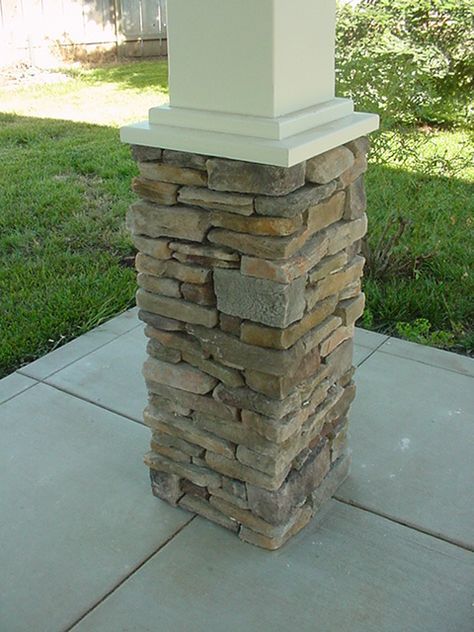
(274,542)
(230,498)
(146,154)
(332,481)
(179,222)
(180,444)
(251,400)
(246,177)
(184,159)
(271,465)
(228,376)
(182,376)
(204,477)
(329,166)
(160,322)
(158,351)
(166,486)
(205,509)
(296,202)
(178,309)
(195,402)
(200,294)
(259,300)
(277,506)
(356,200)
(217,201)
(359,146)
(235,469)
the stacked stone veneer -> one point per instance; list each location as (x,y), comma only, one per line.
(250,286)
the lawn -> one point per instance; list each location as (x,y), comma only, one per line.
(65,184)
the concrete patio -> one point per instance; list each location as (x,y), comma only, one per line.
(85,546)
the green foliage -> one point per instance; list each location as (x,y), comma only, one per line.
(420,331)
(409,60)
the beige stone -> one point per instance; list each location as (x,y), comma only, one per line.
(351,309)
(334,340)
(217,201)
(202,507)
(200,250)
(230,498)
(259,245)
(294,203)
(172,173)
(159,192)
(294,267)
(356,200)
(204,477)
(170,453)
(251,400)
(272,337)
(158,351)
(350,291)
(200,403)
(182,376)
(273,543)
(334,283)
(274,226)
(329,166)
(228,376)
(157,285)
(175,308)
(160,322)
(235,469)
(246,177)
(180,222)
(326,213)
(273,466)
(173,441)
(184,428)
(184,159)
(343,234)
(315,336)
(200,294)
(353,173)
(182,342)
(328,266)
(156,248)
(173,269)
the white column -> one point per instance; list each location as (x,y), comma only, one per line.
(252,80)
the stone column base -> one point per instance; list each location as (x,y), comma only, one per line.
(250,287)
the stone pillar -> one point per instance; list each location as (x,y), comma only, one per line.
(250,287)
(248,230)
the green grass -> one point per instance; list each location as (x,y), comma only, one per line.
(65,186)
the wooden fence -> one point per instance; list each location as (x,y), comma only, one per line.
(33,29)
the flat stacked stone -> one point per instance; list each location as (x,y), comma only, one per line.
(250,287)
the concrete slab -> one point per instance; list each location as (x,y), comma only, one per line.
(76,512)
(430,355)
(412,431)
(111,376)
(13,384)
(80,347)
(361,354)
(370,339)
(349,571)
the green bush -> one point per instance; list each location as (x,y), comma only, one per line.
(410,60)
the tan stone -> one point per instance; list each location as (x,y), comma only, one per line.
(326,213)
(169,452)
(350,291)
(158,351)
(172,173)
(294,267)
(343,234)
(328,266)
(235,500)
(180,341)
(275,338)
(156,248)
(246,177)
(194,490)
(170,268)
(141,153)
(334,283)
(230,324)
(259,245)
(206,262)
(276,226)
(359,146)
(272,543)
(335,339)
(228,348)
(156,285)
(251,400)
(273,466)
(356,200)
(329,166)
(351,309)
(200,403)
(200,294)
(160,322)
(202,507)
(175,308)
(294,203)
(173,407)
(159,192)
(228,376)
(182,376)
(184,159)
(200,250)
(353,173)
(180,222)
(204,477)
(173,441)
(184,428)
(235,469)
(217,201)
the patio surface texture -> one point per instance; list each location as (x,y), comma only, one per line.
(85,546)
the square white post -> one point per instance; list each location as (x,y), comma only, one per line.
(252,80)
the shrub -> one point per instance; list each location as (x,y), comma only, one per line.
(410,60)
